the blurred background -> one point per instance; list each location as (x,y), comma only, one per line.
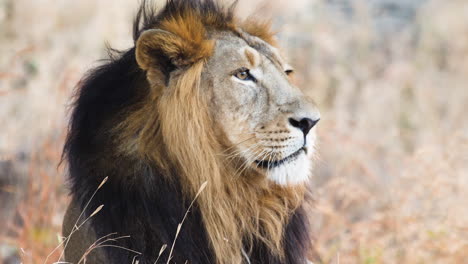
(391,80)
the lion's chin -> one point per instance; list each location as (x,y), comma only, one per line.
(294,172)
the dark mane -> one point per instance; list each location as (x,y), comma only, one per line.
(148,17)
(109,90)
(102,97)
(138,199)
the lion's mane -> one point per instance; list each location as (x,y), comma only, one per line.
(158,145)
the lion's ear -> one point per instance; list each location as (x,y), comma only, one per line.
(162,50)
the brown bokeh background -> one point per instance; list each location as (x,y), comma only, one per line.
(390,78)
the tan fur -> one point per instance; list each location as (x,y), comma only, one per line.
(231,209)
(252,56)
(261,30)
(235,208)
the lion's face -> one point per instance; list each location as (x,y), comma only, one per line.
(268,122)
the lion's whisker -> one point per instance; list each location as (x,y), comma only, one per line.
(269,159)
(266,152)
(235,145)
(237,153)
(244,165)
(246,153)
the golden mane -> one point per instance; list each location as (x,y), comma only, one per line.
(180,137)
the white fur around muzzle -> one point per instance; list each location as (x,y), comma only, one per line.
(292,173)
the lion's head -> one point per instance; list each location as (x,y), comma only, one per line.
(217,105)
(260,119)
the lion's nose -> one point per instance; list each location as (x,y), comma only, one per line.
(305,124)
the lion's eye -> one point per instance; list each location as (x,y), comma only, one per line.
(244,75)
(288,71)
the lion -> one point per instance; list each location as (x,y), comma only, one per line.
(202,99)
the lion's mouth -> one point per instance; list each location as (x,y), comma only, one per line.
(270,164)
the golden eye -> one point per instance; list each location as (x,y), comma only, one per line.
(243,75)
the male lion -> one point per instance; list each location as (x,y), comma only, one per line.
(202,97)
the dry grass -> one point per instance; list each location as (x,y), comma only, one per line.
(34,230)
(391,184)
(392,177)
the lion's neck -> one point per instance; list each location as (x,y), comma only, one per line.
(246,212)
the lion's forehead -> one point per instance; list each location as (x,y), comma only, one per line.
(232,46)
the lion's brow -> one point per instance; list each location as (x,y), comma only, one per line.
(270,55)
(252,56)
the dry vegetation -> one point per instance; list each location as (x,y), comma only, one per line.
(391,180)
